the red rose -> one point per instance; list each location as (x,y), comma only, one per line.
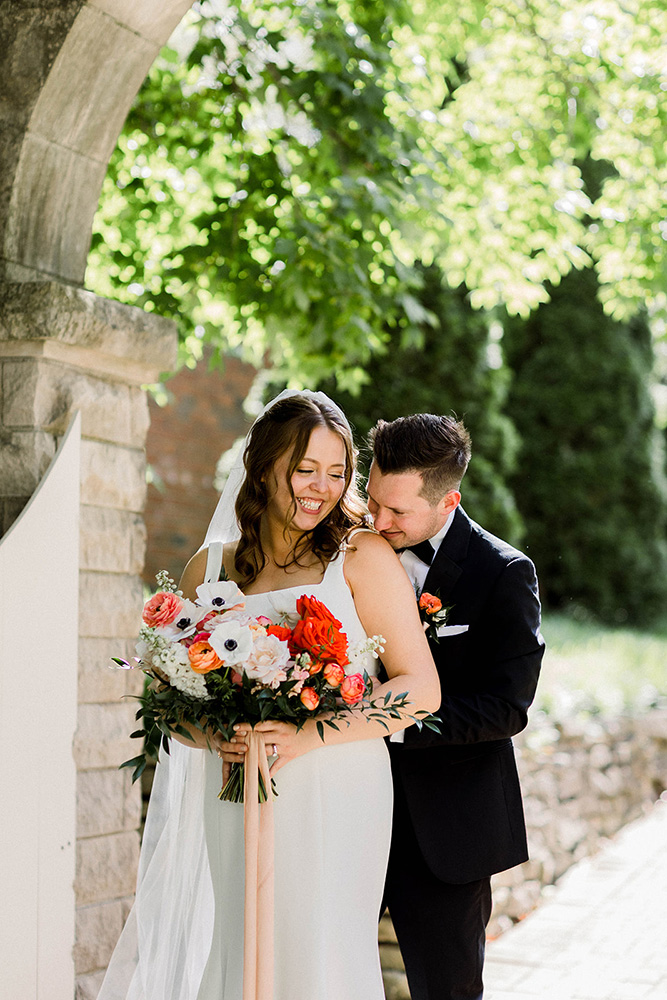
(310,698)
(310,607)
(281,631)
(352,689)
(321,639)
(334,674)
(429,603)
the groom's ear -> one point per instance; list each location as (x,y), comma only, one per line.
(449,502)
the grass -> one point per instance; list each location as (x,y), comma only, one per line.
(613,668)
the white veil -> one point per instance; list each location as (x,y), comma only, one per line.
(162,951)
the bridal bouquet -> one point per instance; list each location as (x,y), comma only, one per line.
(211,664)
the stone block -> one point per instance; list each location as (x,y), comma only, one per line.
(10,510)
(395,985)
(107,802)
(391,958)
(54,192)
(38,392)
(98,928)
(111,540)
(110,605)
(112,476)
(386,932)
(152,20)
(24,458)
(139,415)
(104,60)
(104,329)
(88,986)
(102,738)
(106,867)
(99,680)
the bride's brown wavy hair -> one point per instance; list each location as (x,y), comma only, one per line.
(287,425)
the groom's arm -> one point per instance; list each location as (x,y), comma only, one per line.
(503,668)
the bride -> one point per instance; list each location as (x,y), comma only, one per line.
(297,530)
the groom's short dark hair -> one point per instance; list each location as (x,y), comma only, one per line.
(436,447)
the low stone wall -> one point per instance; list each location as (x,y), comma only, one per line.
(583,779)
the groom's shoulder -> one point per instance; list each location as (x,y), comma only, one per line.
(486,543)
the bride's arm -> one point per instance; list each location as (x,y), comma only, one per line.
(386,605)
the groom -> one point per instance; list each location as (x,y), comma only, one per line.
(458,816)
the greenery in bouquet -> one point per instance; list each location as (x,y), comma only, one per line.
(211,664)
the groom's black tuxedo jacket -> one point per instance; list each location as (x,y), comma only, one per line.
(461,785)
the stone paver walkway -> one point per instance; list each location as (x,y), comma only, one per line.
(603,934)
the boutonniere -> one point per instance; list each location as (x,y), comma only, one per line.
(433,615)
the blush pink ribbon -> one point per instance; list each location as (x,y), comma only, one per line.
(258,912)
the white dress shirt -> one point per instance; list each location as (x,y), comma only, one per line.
(417,571)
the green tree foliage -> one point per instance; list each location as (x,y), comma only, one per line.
(287,165)
(458,370)
(590,479)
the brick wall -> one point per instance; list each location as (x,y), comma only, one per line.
(185,440)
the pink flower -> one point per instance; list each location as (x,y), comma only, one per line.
(352,689)
(268,660)
(162,609)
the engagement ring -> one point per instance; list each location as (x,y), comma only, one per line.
(275,749)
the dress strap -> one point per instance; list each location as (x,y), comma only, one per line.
(213,562)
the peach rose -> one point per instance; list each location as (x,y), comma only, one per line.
(352,689)
(203,658)
(310,698)
(162,609)
(334,674)
(429,603)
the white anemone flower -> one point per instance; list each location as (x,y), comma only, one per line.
(185,624)
(221,596)
(232,641)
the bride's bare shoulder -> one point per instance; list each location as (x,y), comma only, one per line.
(365,548)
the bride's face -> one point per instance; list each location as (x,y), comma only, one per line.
(317,483)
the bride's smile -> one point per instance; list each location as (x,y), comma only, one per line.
(315,486)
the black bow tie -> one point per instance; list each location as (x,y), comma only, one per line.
(423,551)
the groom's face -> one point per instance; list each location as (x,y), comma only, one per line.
(400,513)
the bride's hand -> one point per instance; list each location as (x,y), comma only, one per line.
(282,741)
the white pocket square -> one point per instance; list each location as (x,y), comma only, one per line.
(452,629)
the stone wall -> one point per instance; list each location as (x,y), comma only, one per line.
(62,350)
(583,779)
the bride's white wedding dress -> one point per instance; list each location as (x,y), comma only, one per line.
(332,821)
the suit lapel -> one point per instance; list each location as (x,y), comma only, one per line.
(446,566)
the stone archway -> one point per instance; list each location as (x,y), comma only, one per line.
(69,71)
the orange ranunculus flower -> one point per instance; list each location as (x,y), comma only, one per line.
(334,674)
(429,603)
(310,698)
(322,639)
(280,631)
(162,609)
(352,689)
(203,657)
